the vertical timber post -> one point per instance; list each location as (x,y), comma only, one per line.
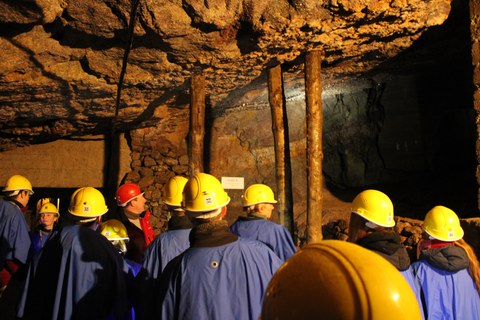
(197,124)
(313,94)
(282,147)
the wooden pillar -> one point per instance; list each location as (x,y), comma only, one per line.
(313,94)
(282,147)
(197,124)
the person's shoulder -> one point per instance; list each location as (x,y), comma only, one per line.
(8,208)
(252,244)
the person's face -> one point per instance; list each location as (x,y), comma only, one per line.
(137,205)
(48,219)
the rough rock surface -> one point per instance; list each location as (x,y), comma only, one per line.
(62,60)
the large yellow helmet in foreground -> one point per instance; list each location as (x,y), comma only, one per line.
(335,279)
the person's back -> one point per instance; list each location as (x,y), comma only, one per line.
(14,235)
(164,248)
(444,269)
(258,204)
(220,276)
(447,294)
(167,245)
(219,282)
(272,234)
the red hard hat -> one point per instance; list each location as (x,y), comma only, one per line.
(127,192)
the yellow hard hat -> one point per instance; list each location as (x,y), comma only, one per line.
(174,189)
(443,224)
(258,193)
(48,208)
(87,202)
(375,206)
(114,229)
(203,193)
(335,279)
(18,183)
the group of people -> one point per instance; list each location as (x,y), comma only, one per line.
(204,268)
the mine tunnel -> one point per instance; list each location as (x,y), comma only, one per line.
(84,101)
(318,100)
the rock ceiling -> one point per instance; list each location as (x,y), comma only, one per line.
(61,60)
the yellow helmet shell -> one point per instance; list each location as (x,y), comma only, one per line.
(114,229)
(258,193)
(18,183)
(443,224)
(87,202)
(203,193)
(173,191)
(48,208)
(335,279)
(375,206)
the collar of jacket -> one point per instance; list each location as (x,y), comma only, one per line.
(211,234)
(388,245)
(449,258)
(179,223)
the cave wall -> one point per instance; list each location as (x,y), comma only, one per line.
(475,34)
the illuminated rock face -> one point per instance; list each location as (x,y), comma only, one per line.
(61,60)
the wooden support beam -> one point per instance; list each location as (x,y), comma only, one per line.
(197,124)
(314,115)
(282,147)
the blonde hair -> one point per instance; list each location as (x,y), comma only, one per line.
(474,265)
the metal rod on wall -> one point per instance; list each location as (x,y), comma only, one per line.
(282,147)
(197,124)
(314,115)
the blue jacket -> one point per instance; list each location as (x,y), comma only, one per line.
(14,234)
(448,290)
(164,248)
(78,274)
(415,285)
(227,281)
(272,234)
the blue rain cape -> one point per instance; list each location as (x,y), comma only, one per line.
(415,285)
(14,234)
(164,248)
(448,294)
(272,234)
(222,282)
(77,275)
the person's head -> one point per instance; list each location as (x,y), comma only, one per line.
(18,188)
(258,199)
(173,194)
(116,232)
(87,206)
(130,197)
(335,279)
(48,215)
(204,198)
(371,209)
